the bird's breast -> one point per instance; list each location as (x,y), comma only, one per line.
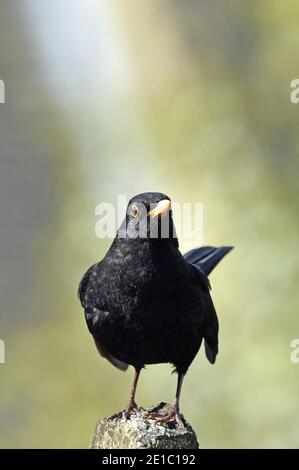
(150,311)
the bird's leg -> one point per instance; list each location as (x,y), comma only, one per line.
(174,413)
(132,406)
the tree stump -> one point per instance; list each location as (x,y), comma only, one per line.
(142,432)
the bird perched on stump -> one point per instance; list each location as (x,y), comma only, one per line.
(146,303)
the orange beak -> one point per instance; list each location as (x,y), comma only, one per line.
(161,208)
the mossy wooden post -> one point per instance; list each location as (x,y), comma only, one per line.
(141,432)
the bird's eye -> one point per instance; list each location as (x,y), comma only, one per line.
(134,211)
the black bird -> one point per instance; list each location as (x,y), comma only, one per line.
(146,303)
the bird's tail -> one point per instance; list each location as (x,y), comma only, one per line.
(207,257)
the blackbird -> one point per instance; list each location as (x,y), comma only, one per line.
(146,303)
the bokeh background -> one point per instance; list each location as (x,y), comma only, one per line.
(190,98)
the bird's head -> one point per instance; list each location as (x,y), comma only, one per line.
(149,216)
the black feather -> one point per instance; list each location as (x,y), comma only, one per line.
(207,257)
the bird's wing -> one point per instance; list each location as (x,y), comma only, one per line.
(203,260)
(211,334)
(84,283)
(93,312)
(210,324)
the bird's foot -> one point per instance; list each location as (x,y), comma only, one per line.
(118,415)
(132,408)
(172,416)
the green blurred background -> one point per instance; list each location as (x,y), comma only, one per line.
(190,98)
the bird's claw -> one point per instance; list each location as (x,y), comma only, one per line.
(173,415)
(132,408)
(117,415)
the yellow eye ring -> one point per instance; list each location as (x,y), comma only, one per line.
(134,212)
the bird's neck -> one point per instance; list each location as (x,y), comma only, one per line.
(144,248)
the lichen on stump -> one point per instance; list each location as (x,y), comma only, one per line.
(142,432)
